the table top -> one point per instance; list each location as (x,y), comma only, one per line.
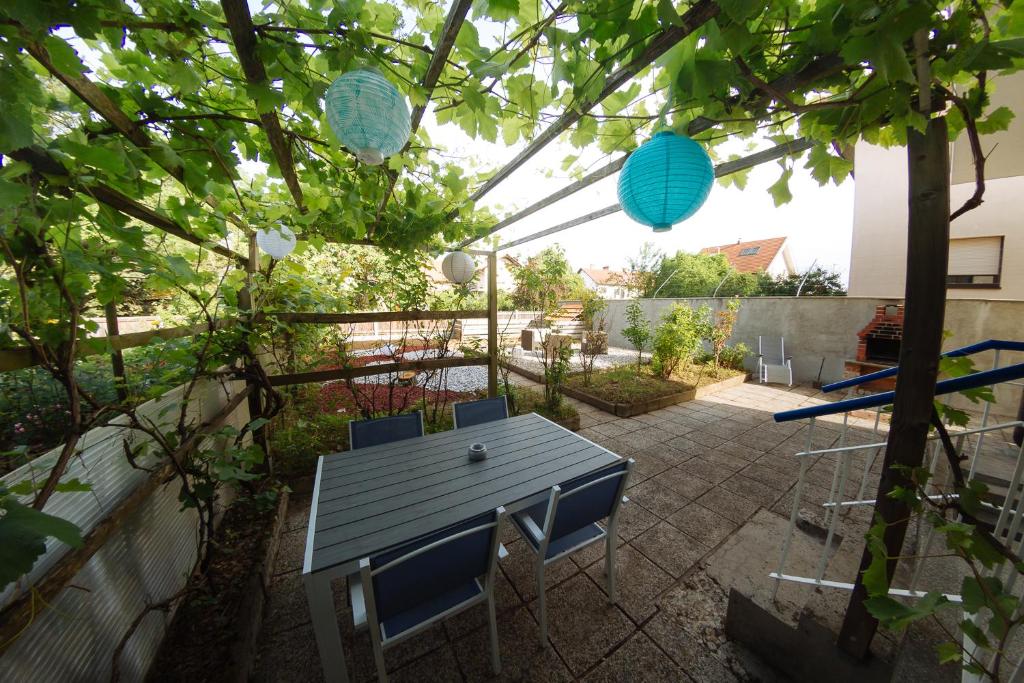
(368,500)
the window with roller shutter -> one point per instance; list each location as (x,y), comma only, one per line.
(975,262)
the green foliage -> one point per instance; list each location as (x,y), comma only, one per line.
(733,357)
(545,279)
(698,275)
(644,268)
(815,282)
(637,330)
(23,535)
(677,338)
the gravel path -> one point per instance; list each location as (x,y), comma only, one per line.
(616,357)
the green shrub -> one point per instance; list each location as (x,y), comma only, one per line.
(676,339)
(297,445)
(733,356)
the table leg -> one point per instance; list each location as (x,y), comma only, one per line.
(325,627)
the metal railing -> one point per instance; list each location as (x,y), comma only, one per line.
(1010,511)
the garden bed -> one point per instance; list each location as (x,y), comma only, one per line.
(625,391)
(213,634)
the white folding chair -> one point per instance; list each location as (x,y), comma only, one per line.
(773,365)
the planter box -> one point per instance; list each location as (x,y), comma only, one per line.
(639,407)
(652,404)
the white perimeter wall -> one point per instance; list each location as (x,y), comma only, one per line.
(821,332)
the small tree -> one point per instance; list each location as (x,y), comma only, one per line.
(638,332)
(594,344)
(677,339)
(543,280)
(721,330)
(555,355)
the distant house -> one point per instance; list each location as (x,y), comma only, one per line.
(770,256)
(610,284)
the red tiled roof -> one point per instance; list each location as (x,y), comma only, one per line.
(749,262)
(604,276)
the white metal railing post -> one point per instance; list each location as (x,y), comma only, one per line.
(984,423)
(834,509)
(797,492)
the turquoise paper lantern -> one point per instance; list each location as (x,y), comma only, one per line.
(665,181)
(368,115)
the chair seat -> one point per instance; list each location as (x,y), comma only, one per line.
(531,520)
(426,611)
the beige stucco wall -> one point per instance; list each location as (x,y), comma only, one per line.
(879,246)
(821,332)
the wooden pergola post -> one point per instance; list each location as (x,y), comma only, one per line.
(492,324)
(116,359)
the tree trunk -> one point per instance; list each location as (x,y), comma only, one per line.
(927,253)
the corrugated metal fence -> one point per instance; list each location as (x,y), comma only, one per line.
(146,560)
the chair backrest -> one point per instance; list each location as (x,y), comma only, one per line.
(772,350)
(586,500)
(365,433)
(435,564)
(469,413)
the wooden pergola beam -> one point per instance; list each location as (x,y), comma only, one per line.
(815,69)
(696,16)
(725,168)
(449,32)
(45,164)
(243,34)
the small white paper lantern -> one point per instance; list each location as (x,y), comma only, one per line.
(458,267)
(278,241)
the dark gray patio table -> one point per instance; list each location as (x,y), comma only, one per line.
(367,501)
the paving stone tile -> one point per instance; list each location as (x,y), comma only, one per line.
(726,429)
(650,436)
(705,438)
(676,427)
(690,628)
(687,445)
(639,661)
(439,665)
(617,427)
(639,581)
(752,490)
(585,557)
(769,476)
(634,520)
(707,526)
(706,470)
(724,460)
(522,656)
(649,462)
(739,450)
(728,504)
(669,548)
(582,625)
(653,418)
(660,500)
(520,569)
(685,479)
(505,600)
(359,651)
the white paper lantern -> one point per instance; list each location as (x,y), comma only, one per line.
(458,267)
(278,241)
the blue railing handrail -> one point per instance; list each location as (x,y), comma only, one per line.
(946,386)
(987,345)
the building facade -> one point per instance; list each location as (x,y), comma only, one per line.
(986,248)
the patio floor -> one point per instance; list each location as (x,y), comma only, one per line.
(703,469)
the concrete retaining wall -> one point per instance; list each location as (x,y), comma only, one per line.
(821,332)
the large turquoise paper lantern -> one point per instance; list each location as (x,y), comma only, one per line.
(665,181)
(368,115)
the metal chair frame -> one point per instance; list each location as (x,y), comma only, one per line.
(786,362)
(543,537)
(364,610)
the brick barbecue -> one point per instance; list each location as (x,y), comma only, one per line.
(878,346)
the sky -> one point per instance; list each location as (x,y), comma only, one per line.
(818,221)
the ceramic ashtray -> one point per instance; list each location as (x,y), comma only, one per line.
(477,451)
